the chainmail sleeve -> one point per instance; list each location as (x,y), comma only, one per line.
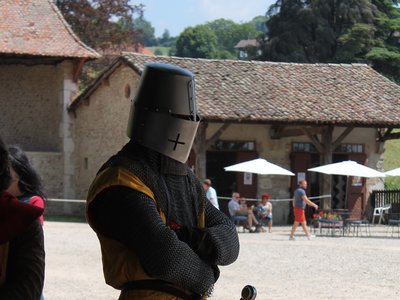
(221,230)
(223,235)
(132,218)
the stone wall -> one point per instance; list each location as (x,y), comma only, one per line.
(100,124)
(31,106)
(49,166)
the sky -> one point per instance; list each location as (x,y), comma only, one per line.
(176,15)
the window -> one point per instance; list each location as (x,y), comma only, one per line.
(343,148)
(303,147)
(234,145)
(350,148)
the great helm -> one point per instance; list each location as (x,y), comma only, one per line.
(163,114)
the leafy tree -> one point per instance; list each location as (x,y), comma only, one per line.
(335,31)
(224,35)
(144,32)
(259,23)
(198,41)
(229,34)
(385,55)
(100,23)
(165,37)
(166,40)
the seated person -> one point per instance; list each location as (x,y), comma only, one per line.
(242,202)
(263,210)
(242,212)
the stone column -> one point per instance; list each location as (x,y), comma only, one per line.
(69,89)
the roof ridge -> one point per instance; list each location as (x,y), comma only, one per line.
(127,53)
(70,31)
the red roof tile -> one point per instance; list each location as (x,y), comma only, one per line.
(36,27)
(247,43)
(266,92)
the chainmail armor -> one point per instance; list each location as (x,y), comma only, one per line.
(180,195)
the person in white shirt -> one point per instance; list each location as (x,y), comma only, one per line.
(211,193)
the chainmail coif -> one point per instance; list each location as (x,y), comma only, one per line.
(137,224)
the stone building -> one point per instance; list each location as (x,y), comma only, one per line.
(40,63)
(295,115)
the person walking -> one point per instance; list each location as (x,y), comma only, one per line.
(211,193)
(299,204)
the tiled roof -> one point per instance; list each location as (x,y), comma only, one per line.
(247,43)
(36,27)
(266,92)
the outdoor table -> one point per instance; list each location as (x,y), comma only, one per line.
(331,225)
(355,226)
(343,213)
(392,224)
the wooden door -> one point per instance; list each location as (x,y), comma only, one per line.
(299,162)
(356,189)
(246,186)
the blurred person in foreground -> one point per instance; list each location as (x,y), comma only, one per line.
(21,242)
(299,204)
(26,184)
(160,237)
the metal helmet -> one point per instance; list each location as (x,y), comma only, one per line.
(163,114)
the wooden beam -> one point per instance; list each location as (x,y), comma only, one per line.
(345,133)
(385,134)
(278,132)
(391,136)
(78,65)
(313,138)
(217,135)
(200,150)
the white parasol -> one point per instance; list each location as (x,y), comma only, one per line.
(348,168)
(394,172)
(259,166)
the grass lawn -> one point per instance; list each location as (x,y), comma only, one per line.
(392,161)
(162,50)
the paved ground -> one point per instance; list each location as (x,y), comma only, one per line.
(324,268)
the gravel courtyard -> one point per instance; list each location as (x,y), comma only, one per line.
(324,268)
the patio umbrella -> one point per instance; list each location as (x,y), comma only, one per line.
(394,172)
(259,166)
(348,168)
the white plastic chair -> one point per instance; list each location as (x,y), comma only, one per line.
(380,211)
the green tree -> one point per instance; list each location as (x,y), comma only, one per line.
(335,31)
(229,34)
(385,55)
(198,41)
(259,23)
(100,23)
(144,32)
